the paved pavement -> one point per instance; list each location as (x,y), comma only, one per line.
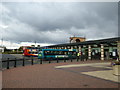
(50,76)
(105,71)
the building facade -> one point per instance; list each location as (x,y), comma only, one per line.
(77,39)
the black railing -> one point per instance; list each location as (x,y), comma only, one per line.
(40,61)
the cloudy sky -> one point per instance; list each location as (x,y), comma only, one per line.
(55,22)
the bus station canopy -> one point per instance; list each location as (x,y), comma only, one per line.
(91,42)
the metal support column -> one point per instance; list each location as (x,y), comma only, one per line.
(71,47)
(89,52)
(102,52)
(118,49)
(80,52)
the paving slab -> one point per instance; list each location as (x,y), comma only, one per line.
(107,75)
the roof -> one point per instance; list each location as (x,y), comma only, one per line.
(78,37)
(101,41)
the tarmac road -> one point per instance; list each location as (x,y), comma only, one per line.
(11,56)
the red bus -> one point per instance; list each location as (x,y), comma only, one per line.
(30,51)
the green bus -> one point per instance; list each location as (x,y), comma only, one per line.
(57,54)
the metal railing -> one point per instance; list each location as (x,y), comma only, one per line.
(40,61)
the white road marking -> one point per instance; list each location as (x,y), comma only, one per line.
(81,65)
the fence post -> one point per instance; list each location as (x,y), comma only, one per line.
(71,59)
(32,61)
(77,58)
(49,61)
(81,58)
(23,62)
(57,60)
(41,61)
(64,60)
(87,58)
(15,62)
(8,63)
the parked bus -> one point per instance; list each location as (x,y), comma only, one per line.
(31,51)
(57,53)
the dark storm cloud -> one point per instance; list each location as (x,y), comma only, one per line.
(56,22)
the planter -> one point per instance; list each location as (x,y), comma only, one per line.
(116,70)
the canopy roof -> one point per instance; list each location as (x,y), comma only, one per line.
(97,42)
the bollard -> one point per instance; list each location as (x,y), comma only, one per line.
(8,63)
(32,61)
(15,63)
(23,62)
